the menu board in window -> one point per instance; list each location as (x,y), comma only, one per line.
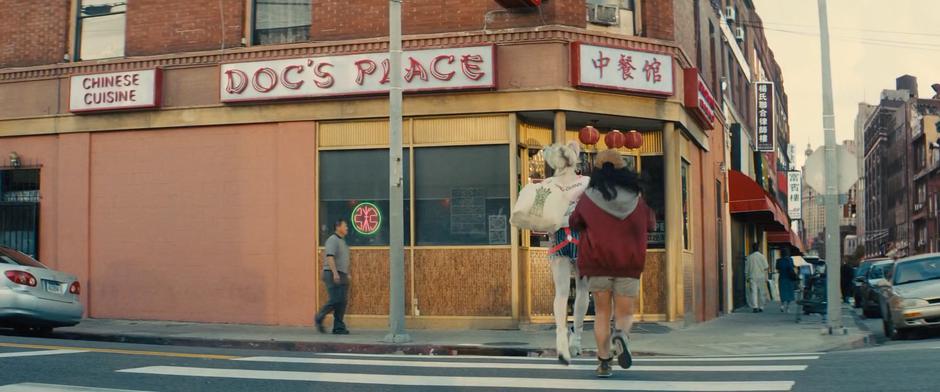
(468,211)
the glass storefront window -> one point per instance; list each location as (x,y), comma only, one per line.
(654,193)
(356,181)
(462,195)
(685,206)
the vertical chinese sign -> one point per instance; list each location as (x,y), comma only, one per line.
(765,117)
(795,194)
(622,69)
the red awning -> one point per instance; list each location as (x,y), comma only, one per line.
(749,201)
(785,238)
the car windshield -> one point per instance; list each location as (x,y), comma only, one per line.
(877,271)
(917,271)
(862,270)
(11,256)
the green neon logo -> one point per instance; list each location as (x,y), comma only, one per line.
(366,218)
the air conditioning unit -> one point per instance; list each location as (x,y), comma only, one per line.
(731,15)
(739,34)
(603,14)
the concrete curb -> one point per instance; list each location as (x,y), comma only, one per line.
(320,347)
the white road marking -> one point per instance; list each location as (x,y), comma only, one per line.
(31,387)
(745,358)
(472,382)
(517,365)
(39,353)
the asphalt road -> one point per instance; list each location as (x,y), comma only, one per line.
(31,364)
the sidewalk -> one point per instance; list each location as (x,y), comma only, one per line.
(740,333)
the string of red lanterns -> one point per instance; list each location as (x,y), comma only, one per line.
(614,139)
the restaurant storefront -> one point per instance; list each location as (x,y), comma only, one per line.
(234,166)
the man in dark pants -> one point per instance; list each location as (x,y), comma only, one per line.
(336,278)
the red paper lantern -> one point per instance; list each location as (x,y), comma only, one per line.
(589,136)
(633,140)
(614,139)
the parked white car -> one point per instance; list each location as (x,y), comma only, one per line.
(34,297)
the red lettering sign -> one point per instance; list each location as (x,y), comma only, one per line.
(423,70)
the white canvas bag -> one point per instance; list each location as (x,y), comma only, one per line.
(543,206)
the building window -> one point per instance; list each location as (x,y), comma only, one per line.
(462,195)
(101,25)
(686,240)
(281,21)
(353,181)
(654,193)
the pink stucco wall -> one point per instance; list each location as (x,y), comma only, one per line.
(199,224)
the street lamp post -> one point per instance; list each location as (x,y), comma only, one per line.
(396,288)
(831,196)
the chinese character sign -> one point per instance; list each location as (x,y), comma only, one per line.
(795,194)
(765,117)
(622,69)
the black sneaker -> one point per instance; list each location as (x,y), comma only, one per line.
(319,324)
(621,346)
(341,332)
(604,370)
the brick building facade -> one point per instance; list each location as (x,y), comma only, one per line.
(258,130)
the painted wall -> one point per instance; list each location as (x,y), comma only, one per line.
(202,224)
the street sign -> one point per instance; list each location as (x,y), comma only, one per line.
(795,194)
(815,170)
(766,139)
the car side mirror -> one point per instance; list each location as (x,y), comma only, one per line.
(859,279)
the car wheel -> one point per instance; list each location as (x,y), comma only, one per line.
(901,334)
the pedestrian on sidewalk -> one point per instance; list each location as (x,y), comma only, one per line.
(755,268)
(789,280)
(847,275)
(614,221)
(336,279)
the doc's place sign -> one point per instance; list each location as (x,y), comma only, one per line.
(360,74)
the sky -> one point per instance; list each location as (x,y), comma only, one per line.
(872,43)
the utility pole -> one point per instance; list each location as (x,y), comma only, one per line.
(396,270)
(833,258)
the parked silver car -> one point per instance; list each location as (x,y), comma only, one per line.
(33,296)
(912,295)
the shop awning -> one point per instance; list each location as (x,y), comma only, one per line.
(750,202)
(785,238)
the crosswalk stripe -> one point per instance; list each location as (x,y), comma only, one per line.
(517,365)
(473,382)
(635,359)
(33,387)
(39,353)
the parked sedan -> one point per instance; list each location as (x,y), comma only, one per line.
(912,295)
(33,296)
(870,290)
(860,273)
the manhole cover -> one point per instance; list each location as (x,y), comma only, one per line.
(505,344)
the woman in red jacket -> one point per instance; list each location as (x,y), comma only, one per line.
(614,221)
